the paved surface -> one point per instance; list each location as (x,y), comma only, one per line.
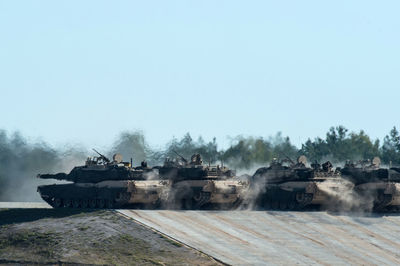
(282,238)
(273,237)
(24,205)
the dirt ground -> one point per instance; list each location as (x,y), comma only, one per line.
(76,237)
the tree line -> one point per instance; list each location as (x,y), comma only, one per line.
(338,146)
(21,160)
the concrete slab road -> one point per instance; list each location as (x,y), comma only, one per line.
(281,238)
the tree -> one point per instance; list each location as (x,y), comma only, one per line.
(362,146)
(339,146)
(391,147)
(315,150)
(186,147)
(245,152)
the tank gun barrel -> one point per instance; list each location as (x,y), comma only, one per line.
(102,156)
(59,176)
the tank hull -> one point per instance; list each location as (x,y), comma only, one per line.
(299,195)
(105,194)
(198,194)
(377,189)
(382,196)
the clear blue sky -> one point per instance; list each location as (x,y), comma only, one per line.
(83,71)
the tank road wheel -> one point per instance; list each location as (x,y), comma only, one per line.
(182,198)
(68,203)
(187,204)
(154,205)
(282,205)
(300,197)
(200,198)
(92,203)
(109,204)
(267,204)
(75,203)
(58,203)
(275,205)
(388,198)
(157,204)
(101,203)
(197,196)
(84,203)
(379,202)
(303,199)
(292,205)
(309,197)
(382,200)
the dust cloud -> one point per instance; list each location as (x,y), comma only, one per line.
(21,161)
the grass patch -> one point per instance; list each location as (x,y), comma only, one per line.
(43,244)
(126,238)
(27,238)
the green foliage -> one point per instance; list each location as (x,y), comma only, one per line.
(339,146)
(391,147)
(43,244)
(132,145)
(246,152)
(315,150)
(186,147)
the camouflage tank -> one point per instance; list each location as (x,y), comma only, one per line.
(102,183)
(287,185)
(194,185)
(378,188)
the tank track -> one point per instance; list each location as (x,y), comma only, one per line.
(293,202)
(81,203)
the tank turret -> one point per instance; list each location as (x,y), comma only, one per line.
(181,169)
(97,169)
(364,171)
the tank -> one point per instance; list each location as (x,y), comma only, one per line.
(194,185)
(378,188)
(102,183)
(286,185)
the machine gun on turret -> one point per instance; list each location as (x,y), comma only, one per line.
(287,159)
(104,158)
(180,156)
